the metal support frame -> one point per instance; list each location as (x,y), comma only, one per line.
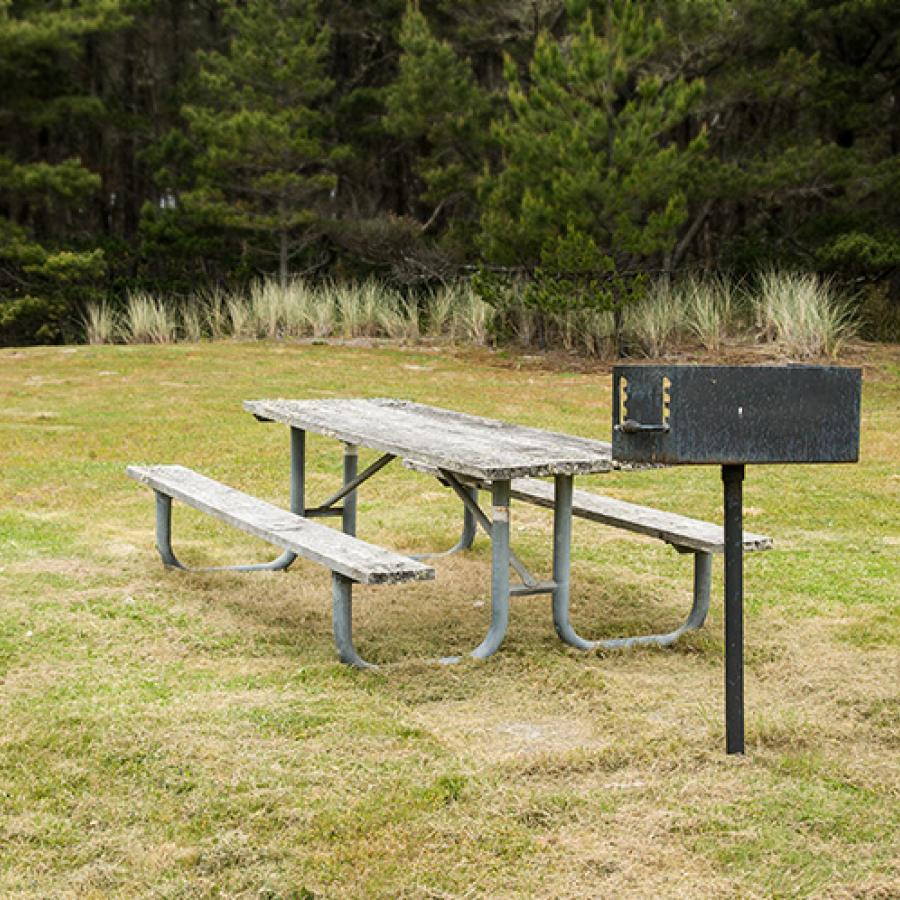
(562,544)
(469,497)
(347,512)
(342,587)
(281,563)
(559,586)
(351,461)
(562,557)
(732,478)
(497,528)
(696,617)
(500,561)
(350,483)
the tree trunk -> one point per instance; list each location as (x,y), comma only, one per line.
(618,323)
(283,257)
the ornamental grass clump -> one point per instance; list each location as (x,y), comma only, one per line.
(298,302)
(147,320)
(100,323)
(323,311)
(239,317)
(471,317)
(359,307)
(191,322)
(398,317)
(439,310)
(802,315)
(710,309)
(213,302)
(266,308)
(654,322)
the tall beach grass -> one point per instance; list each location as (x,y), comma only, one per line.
(802,314)
(148,320)
(100,324)
(798,315)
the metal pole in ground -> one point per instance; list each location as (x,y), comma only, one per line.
(732,478)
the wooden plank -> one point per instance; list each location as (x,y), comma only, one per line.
(358,560)
(471,445)
(681,531)
(673,528)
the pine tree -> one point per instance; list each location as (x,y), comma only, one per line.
(436,106)
(265,165)
(592,188)
(805,97)
(49,261)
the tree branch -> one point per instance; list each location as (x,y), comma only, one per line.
(682,246)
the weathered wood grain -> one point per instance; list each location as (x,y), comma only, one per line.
(675,529)
(356,559)
(469,445)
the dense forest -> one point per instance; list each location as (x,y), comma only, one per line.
(581,145)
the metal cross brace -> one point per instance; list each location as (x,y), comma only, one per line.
(530,584)
(327,507)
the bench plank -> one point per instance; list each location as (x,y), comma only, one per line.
(349,556)
(673,528)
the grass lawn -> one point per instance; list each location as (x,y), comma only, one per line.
(181,735)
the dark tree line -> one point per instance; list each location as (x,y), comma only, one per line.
(171,145)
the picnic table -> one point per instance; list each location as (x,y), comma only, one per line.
(467,454)
(459,448)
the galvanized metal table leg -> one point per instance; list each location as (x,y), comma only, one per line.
(500,557)
(298,491)
(164,531)
(342,621)
(732,477)
(695,619)
(469,529)
(562,544)
(298,480)
(562,562)
(298,471)
(351,462)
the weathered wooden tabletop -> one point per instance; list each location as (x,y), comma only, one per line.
(469,445)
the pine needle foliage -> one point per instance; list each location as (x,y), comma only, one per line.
(265,166)
(592,188)
(436,104)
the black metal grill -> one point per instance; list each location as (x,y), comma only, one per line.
(730,416)
(736,414)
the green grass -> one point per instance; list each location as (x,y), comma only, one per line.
(184,735)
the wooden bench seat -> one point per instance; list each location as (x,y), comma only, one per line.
(673,528)
(349,559)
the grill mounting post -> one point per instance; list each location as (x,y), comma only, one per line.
(730,416)
(732,478)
